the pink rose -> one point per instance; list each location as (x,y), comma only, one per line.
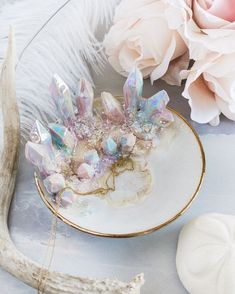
(210,88)
(221,8)
(145,34)
(209,26)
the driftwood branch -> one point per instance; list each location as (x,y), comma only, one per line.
(11,259)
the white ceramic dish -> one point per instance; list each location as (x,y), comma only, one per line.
(177,167)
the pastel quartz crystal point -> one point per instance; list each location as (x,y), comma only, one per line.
(38,156)
(128,142)
(85,171)
(66,198)
(85,98)
(39,134)
(91,157)
(155,104)
(62,99)
(132,90)
(110,146)
(112,108)
(163,119)
(62,137)
(54,183)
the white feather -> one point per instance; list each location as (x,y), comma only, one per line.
(52,40)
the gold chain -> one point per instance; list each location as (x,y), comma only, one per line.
(114,172)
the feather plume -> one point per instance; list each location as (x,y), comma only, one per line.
(53,36)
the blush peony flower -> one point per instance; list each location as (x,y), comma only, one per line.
(210,88)
(209,26)
(145,33)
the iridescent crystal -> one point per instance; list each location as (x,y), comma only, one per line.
(62,99)
(163,119)
(128,142)
(112,108)
(54,183)
(132,90)
(62,137)
(37,154)
(143,131)
(85,98)
(66,198)
(153,105)
(109,146)
(39,134)
(85,171)
(91,157)
(80,149)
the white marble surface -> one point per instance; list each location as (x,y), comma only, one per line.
(153,254)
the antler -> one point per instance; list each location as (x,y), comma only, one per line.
(10,258)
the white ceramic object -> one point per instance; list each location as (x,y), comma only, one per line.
(205,257)
(177,167)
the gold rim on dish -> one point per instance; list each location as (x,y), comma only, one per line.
(140,233)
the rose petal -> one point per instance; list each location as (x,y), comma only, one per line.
(136,22)
(205,19)
(160,70)
(221,65)
(172,76)
(225,108)
(129,53)
(175,16)
(159,41)
(215,86)
(114,61)
(228,85)
(215,121)
(199,67)
(202,101)
(223,9)
(205,4)
(205,32)
(193,34)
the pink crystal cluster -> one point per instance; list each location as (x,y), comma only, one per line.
(85,142)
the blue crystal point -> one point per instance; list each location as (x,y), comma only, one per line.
(62,137)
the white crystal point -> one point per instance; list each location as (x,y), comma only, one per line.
(37,154)
(54,183)
(39,134)
(112,108)
(85,98)
(66,198)
(128,142)
(132,90)
(62,99)
(205,256)
(85,171)
(91,157)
